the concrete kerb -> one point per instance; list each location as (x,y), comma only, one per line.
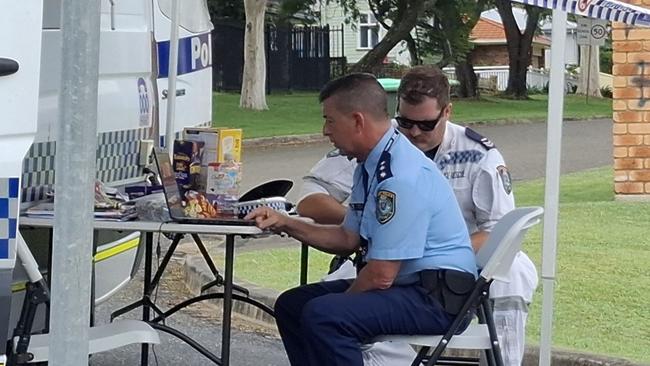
(196,273)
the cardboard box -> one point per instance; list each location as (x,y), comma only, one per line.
(219,144)
(220,175)
(229,145)
(210,139)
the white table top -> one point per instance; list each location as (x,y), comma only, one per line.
(154,226)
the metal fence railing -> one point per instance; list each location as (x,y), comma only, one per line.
(535,78)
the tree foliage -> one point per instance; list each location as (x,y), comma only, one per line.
(398,17)
(446,39)
(230,10)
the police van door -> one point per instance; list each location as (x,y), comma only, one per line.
(20,57)
(194,82)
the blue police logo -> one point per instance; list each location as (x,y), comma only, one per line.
(506,180)
(143,97)
(194,54)
(385,206)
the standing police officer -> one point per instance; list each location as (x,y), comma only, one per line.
(406,230)
(481,183)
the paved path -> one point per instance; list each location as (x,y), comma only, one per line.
(586,144)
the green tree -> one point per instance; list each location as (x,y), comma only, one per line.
(447,39)
(398,17)
(230,10)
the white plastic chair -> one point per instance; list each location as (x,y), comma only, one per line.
(495,259)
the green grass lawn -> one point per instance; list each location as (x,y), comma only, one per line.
(602,287)
(300,113)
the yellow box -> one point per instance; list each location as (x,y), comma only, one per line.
(229,145)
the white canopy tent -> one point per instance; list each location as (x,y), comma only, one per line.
(611,10)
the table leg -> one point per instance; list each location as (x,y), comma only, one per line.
(148,253)
(304,263)
(227,300)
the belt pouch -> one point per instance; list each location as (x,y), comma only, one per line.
(450,287)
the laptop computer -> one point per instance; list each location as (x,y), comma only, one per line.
(175,202)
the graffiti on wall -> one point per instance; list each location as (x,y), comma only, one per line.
(642,81)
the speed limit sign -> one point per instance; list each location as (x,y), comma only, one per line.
(591,31)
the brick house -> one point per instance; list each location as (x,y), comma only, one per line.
(631,107)
(490,45)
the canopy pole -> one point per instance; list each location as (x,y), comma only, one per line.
(172,73)
(76,141)
(552,187)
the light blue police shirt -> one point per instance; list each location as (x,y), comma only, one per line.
(408,211)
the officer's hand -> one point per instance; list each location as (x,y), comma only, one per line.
(268,218)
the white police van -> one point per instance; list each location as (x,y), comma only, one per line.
(132,99)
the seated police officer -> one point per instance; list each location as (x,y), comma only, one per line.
(407,232)
(478,175)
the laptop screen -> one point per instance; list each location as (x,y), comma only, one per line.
(170,187)
(177,205)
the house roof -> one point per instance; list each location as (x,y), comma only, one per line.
(488,31)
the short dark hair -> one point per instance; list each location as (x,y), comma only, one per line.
(424,81)
(358,92)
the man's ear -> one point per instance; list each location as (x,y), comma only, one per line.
(448,111)
(359,121)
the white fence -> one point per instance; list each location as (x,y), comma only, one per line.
(535,78)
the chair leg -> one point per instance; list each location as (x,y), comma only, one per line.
(489,320)
(473,299)
(488,354)
(421,356)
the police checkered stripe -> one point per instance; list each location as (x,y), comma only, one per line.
(38,178)
(460,157)
(119,148)
(9,189)
(117,159)
(113,175)
(243,209)
(615,11)
(39,163)
(31,194)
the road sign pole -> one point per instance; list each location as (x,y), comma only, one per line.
(588,74)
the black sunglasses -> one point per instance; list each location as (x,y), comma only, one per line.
(426,126)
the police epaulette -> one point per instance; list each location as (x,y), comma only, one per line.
(383,167)
(475,136)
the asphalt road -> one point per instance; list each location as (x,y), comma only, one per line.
(586,144)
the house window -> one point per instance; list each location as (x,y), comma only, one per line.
(368,31)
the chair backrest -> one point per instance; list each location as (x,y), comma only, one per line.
(497,254)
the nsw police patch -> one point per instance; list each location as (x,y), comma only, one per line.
(504,175)
(385,206)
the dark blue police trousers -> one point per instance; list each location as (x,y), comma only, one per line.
(320,324)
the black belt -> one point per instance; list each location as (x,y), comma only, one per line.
(450,287)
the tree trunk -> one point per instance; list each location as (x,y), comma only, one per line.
(253,89)
(591,70)
(399,30)
(520,46)
(466,76)
(413,51)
